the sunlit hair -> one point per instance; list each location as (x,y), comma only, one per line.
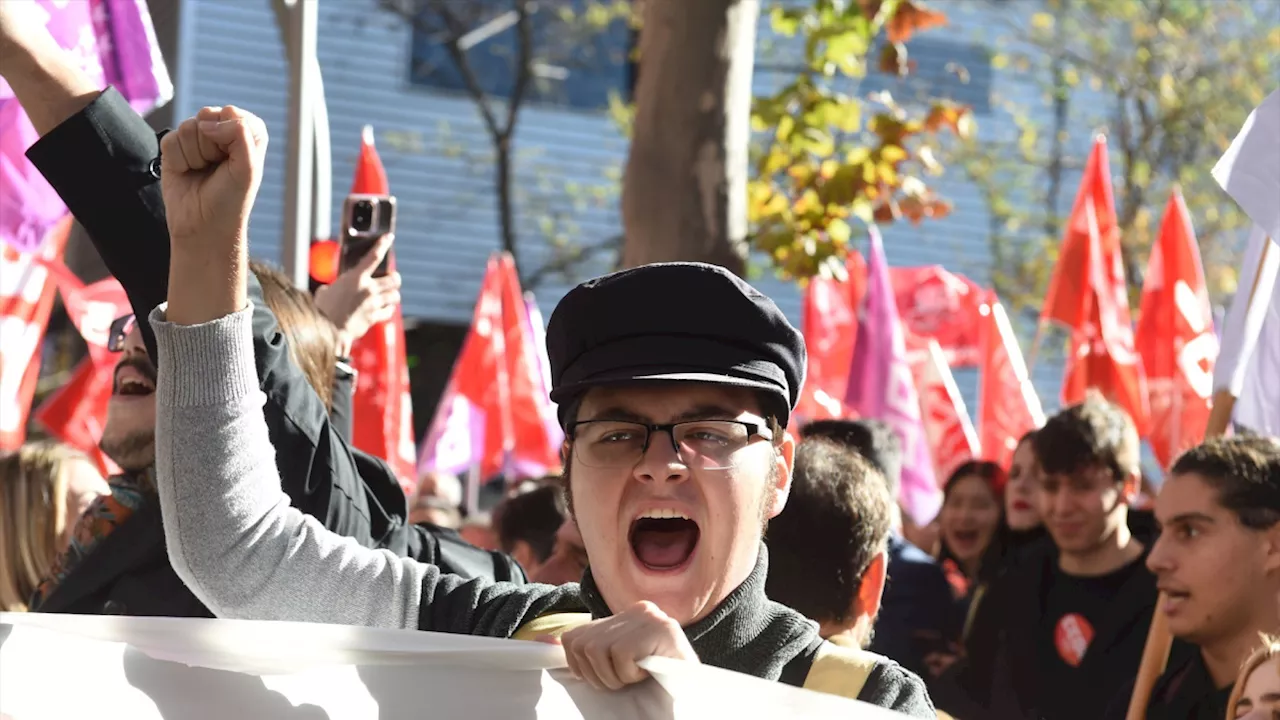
(312,338)
(1268,649)
(33,511)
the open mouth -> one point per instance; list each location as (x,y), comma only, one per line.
(132,382)
(663,540)
(965,537)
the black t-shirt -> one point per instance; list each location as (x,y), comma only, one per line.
(1074,607)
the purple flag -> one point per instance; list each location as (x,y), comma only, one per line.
(881,386)
(114,43)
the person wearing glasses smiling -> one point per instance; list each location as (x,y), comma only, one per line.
(674,384)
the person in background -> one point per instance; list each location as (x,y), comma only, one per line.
(971,521)
(916,624)
(437,501)
(527,523)
(1073,618)
(568,560)
(45,487)
(1021,513)
(1217,562)
(1257,688)
(828,547)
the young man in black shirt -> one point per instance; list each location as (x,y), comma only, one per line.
(1077,611)
(1218,563)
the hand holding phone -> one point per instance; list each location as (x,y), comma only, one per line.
(365,220)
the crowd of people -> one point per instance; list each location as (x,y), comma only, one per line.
(695,517)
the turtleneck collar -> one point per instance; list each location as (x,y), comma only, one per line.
(747,632)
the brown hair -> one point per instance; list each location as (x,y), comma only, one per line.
(1269,649)
(1095,432)
(33,509)
(311,338)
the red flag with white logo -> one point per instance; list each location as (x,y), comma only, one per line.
(382,408)
(936,303)
(1175,337)
(1008,405)
(26,299)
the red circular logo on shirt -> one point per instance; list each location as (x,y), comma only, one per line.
(1072,637)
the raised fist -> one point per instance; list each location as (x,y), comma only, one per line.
(211,167)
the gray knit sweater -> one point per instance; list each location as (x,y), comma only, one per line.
(245,552)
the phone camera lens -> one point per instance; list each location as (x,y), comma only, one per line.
(362,216)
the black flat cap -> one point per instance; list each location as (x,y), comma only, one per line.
(667,322)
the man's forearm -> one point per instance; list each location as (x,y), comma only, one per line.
(46,81)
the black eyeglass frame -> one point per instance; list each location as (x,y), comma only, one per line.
(754,430)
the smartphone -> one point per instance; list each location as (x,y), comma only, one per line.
(365,218)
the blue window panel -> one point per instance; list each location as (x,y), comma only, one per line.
(575,70)
(947,69)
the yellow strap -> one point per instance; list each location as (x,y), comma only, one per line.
(840,670)
(555,625)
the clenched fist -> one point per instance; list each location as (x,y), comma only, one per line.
(211,167)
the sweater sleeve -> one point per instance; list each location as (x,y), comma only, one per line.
(232,535)
(235,540)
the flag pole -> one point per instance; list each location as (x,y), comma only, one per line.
(1155,655)
(1035,345)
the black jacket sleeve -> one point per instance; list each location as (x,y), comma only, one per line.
(342,410)
(105,164)
(890,686)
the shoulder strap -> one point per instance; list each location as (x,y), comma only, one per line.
(553,624)
(840,670)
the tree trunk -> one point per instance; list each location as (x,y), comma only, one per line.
(684,192)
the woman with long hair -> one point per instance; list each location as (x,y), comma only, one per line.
(44,488)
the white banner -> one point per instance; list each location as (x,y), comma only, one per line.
(69,666)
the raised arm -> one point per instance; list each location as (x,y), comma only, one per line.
(232,535)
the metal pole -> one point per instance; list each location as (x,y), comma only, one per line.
(298,177)
(322,215)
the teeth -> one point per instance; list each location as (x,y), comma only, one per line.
(664,514)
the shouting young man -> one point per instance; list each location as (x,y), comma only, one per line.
(1076,612)
(1218,563)
(674,382)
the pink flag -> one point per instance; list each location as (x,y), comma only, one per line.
(114,43)
(952,439)
(881,386)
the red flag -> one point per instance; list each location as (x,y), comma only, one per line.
(533,452)
(1067,301)
(830,324)
(1008,405)
(935,303)
(382,412)
(1103,355)
(77,412)
(1175,336)
(952,440)
(26,299)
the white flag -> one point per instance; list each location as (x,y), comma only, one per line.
(1258,361)
(1250,169)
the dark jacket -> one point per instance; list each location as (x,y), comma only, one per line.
(1184,692)
(104,162)
(915,612)
(998,679)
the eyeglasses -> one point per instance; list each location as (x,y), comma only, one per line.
(700,444)
(120,329)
